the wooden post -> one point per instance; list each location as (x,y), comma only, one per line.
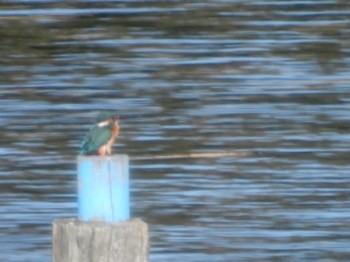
(103,188)
(79,241)
(103,231)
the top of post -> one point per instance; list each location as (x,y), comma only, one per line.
(113,158)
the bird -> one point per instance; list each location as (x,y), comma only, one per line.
(101,136)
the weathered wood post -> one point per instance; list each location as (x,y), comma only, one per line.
(103,230)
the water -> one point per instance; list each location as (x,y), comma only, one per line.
(265,77)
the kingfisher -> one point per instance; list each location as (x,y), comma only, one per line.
(101,136)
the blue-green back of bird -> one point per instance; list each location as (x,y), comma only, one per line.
(96,137)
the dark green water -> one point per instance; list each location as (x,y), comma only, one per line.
(266,77)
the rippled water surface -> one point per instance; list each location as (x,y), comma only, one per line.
(269,78)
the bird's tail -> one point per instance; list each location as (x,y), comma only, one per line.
(83,148)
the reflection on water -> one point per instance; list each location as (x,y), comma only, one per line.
(266,77)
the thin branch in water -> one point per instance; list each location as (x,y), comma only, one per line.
(191,155)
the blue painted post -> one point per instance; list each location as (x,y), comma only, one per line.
(103,188)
